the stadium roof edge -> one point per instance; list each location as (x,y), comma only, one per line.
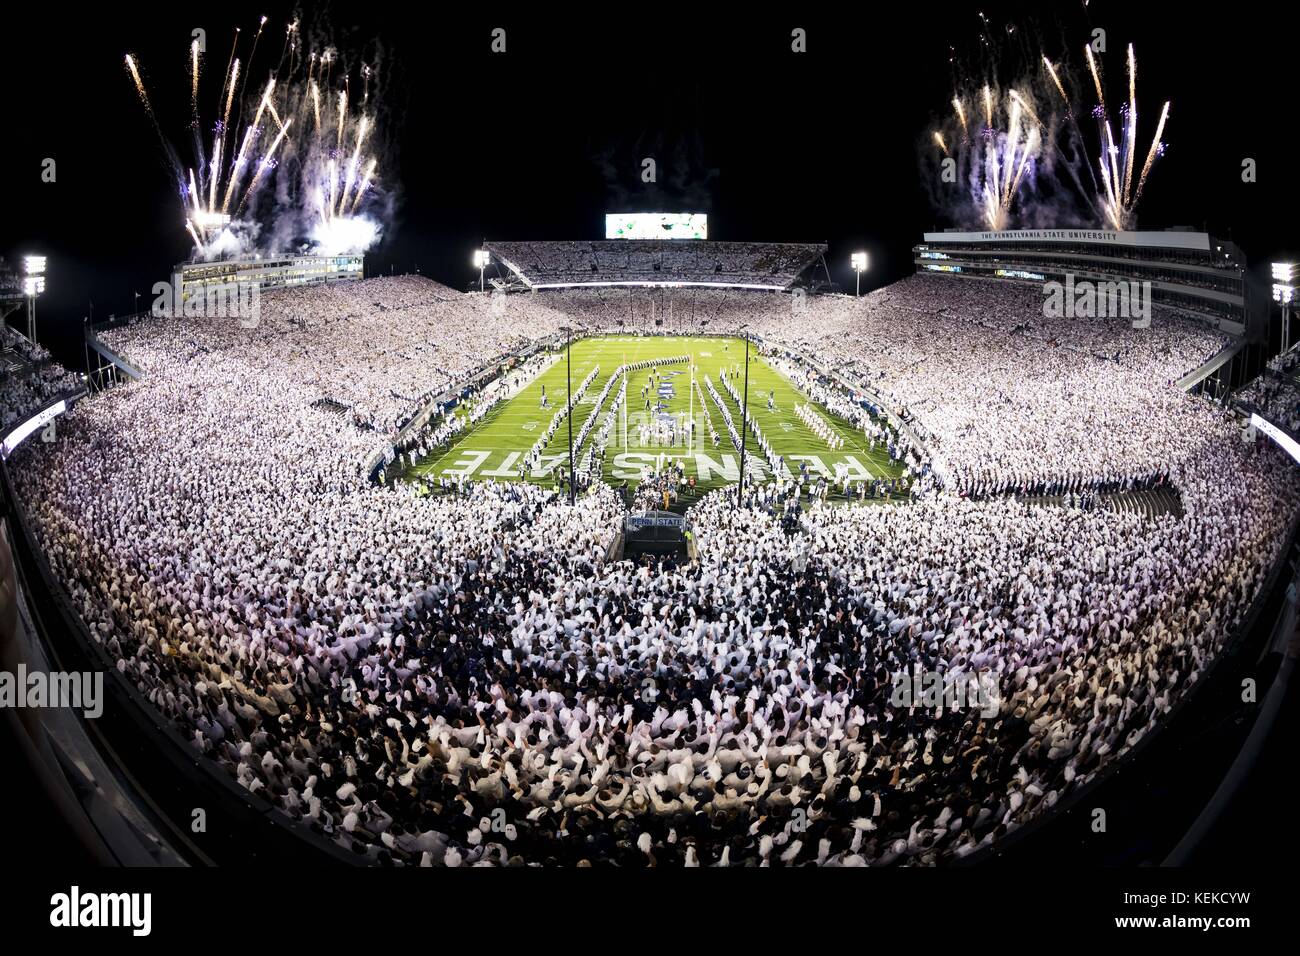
(1154,239)
(506,253)
(660,284)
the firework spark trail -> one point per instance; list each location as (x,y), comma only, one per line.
(265,164)
(315,102)
(1074,125)
(1024,105)
(1111,177)
(1051,70)
(218,158)
(225,77)
(1112,153)
(961,116)
(1130,146)
(1110,204)
(1152,154)
(194,81)
(257,36)
(365,184)
(1013,135)
(1031,147)
(230,95)
(343,112)
(237,169)
(988,106)
(1008,183)
(288,35)
(139,83)
(1096,79)
(194,196)
(333,179)
(214,175)
(354,166)
(248,71)
(938,138)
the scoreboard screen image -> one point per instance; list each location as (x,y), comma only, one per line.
(656,225)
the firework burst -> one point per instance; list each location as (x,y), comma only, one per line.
(994,161)
(294,174)
(1116,161)
(1029,159)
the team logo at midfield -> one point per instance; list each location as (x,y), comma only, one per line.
(666,391)
(528,426)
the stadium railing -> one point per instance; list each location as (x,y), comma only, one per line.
(1070,823)
(168,778)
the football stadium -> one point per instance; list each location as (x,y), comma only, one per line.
(671,546)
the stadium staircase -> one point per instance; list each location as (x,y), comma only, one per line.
(1146,503)
(1149,503)
(329,405)
(11,362)
(1215,362)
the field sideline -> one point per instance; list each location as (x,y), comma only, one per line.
(494,447)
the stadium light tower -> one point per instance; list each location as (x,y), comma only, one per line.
(859,262)
(744,419)
(568,375)
(33,285)
(1284,274)
(482,260)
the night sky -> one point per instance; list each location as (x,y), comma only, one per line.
(539,143)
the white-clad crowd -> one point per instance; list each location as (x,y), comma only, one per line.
(28,378)
(1276,397)
(632,260)
(467,680)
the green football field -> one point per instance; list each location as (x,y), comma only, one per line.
(496,446)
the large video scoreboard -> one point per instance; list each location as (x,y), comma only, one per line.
(656,225)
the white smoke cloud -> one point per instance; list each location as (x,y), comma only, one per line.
(346,235)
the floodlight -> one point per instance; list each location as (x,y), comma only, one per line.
(859,262)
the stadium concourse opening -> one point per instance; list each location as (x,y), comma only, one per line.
(659,534)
